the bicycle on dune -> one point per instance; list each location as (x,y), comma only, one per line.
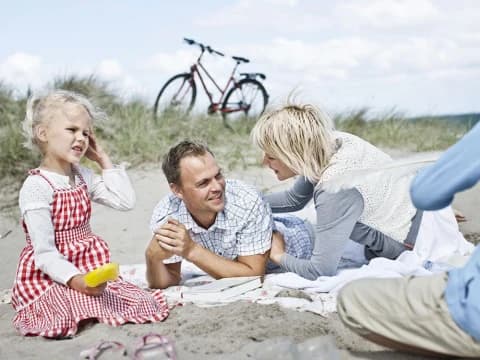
(242,96)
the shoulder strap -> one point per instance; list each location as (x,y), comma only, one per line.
(38,172)
(76,171)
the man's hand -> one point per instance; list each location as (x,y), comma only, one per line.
(155,251)
(278,247)
(173,237)
(160,275)
(78,283)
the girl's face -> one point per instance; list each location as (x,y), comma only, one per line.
(65,138)
(282,171)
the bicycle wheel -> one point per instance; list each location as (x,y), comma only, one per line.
(246,100)
(176,96)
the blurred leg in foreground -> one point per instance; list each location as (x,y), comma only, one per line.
(408,314)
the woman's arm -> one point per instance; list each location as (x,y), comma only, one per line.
(337,215)
(293,199)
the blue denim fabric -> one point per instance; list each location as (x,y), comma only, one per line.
(434,188)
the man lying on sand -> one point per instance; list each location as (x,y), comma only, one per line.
(222,226)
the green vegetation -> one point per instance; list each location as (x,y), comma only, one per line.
(469,119)
(130,133)
(393,130)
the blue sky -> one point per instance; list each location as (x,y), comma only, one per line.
(415,56)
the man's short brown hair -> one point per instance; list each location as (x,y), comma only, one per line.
(171,161)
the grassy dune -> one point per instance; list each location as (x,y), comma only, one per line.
(130,133)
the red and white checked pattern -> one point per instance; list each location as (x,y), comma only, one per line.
(58,312)
(49,309)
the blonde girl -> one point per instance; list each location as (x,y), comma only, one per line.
(49,293)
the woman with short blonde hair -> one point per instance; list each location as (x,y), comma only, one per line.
(310,144)
(300,139)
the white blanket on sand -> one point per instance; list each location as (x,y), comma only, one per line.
(439,246)
(269,293)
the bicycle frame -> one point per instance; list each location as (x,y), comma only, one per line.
(239,93)
(195,68)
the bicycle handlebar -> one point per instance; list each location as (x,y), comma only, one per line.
(203,47)
(210,50)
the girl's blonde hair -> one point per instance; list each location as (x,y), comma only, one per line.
(41,109)
(301,136)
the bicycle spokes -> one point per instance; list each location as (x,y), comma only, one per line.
(241,100)
(177,95)
(247,100)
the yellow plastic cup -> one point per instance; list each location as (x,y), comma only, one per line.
(101,274)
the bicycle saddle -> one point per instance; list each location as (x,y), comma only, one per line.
(240,59)
(254,75)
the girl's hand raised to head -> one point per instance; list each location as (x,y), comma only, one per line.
(96,153)
(78,283)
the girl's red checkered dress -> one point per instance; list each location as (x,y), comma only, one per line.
(49,309)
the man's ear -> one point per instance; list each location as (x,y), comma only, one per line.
(177,190)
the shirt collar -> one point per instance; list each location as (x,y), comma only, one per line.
(186,218)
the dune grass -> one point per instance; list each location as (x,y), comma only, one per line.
(393,130)
(131,134)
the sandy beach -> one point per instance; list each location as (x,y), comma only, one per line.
(239,330)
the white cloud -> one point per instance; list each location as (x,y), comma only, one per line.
(387,13)
(110,69)
(170,63)
(232,15)
(369,71)
(469,39)
(422,55)
(121,80)
(323,16)
(21,69)
(332,58)
(289,3)
(362,58)
(267,15)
